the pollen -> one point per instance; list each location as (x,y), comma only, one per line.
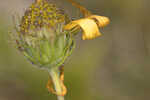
(41,14)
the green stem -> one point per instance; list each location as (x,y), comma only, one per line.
(55,75)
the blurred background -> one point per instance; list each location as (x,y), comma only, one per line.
(112,67)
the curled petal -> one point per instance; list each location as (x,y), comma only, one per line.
(83,10)
(100,20)
(89,27)
(90,24)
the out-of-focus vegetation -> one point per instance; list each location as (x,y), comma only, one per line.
(112,67)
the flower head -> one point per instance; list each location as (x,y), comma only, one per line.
(40,35)
(45,36)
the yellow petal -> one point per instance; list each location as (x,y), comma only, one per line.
(70,26)
(89,27)
(83,10)
(101,20)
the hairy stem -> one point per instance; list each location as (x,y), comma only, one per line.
(55,76)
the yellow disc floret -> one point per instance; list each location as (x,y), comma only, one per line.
(41,14)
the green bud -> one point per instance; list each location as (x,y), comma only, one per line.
(40,35)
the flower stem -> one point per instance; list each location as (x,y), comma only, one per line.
(55,76)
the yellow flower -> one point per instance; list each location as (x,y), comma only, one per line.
(90,24)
